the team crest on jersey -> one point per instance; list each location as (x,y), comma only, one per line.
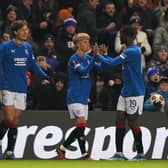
(26,52)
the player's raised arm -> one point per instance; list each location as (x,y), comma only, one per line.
(106,59)
(81,68)
(112,61)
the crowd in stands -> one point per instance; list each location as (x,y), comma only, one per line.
(53,24)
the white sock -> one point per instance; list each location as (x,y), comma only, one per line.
(9,152)
(84,154)
(62,148)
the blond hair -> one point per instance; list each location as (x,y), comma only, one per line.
(80,36)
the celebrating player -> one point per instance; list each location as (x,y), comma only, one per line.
(79,67)
(16,57)
(130,103)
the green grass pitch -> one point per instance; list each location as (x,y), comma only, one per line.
(82,164)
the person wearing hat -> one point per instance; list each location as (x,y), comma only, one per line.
(80,65)
(160,60)
(65,44)
(141,39)
(48,50)
(152,82)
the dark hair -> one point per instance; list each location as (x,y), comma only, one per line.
(18,24)
(107,3)
(129,31)
(163,80)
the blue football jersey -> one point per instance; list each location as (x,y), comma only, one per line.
(15,60)
(1,78)
(79,78)
(133,83)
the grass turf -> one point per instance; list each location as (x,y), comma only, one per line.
(82,164)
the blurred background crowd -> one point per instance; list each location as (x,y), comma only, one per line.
(53,24)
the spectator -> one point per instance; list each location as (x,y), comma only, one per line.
(128,11)
(86,18)
(152,82)
(141,39)
(4,5)
(59,19)
(42,18)
(11,16)
(65,45)
(148,17)
(157,106)
(60,92)
(49,51)
(160,60)
(161,10)
(161,34)
(25,10)
(108,24)
(1,20)
(42,90)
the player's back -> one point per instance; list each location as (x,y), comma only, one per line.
(132,73)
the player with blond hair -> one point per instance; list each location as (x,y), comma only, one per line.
(79,67)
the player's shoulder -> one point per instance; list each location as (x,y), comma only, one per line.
(6,43)
(73,57)
(27,44)
(133,49)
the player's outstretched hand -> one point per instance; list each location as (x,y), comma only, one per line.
(96,50)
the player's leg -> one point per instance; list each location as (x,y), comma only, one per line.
(12,135)
(120,129)
(19,106)
(81,125)
(5,124)
(134,112)
(133,122)
(76,111)
(8,110)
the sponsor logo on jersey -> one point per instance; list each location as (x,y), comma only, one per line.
(20,61)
